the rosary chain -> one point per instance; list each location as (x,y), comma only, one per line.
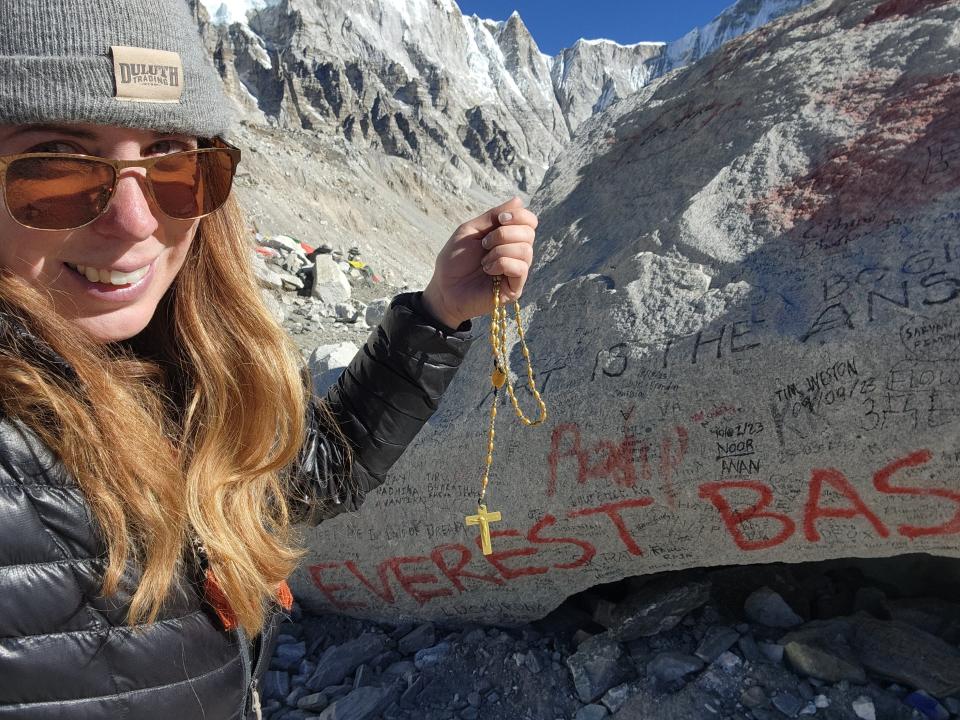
(501,375)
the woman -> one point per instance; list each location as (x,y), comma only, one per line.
(158,435)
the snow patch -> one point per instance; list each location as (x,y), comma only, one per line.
(599,41)
(736,20)
(227,12)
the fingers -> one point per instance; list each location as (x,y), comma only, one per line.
(514,273)
(509,234)
(518,216)
(510,256)
(485,222)
(516,251)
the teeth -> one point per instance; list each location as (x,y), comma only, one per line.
(110,277)
(121,278)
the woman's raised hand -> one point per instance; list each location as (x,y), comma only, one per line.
(488,245)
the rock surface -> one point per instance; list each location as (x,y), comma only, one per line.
(327,362)
(767,607)
(655,608)
(598,665)
(905,654)
(749,351)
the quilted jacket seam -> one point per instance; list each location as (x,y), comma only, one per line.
(62,550)
(114,629)
(62,561)
(127,693)
(41,484)
(418,357)
(97,620)
(381,355)
(386,402)
(405,376)
(378,441)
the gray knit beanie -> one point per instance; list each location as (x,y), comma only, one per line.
(134,63)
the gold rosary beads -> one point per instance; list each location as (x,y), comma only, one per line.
(501,377)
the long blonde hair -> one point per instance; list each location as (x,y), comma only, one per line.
(196,436)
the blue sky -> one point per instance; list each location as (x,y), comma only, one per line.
(556,24)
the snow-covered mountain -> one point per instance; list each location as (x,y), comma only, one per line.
(591,74)
(474,98)
(738,19)
(468,97)
(384,123)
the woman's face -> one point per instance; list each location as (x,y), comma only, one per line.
(131,235)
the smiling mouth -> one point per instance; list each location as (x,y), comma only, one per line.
(109,277)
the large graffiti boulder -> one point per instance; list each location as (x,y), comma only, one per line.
(745,322)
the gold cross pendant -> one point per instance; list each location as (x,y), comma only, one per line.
(483,519)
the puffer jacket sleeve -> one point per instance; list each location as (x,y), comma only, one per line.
(381,401)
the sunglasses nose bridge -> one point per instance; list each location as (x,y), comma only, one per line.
(132,206)
(138,170)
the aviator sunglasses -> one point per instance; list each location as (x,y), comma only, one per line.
(61,191)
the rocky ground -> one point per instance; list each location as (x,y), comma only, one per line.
(320,298)
(857,640)
(322,189)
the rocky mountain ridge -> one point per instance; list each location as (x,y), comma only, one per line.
(421,80)
(418,116)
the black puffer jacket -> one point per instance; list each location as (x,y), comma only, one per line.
(67,653)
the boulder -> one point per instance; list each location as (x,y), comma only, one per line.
(864,709)
(767,607)
(346,312)
(330,284)
(905,654)
(592,711)
(313,702)
(599,664)
(294,262)
(364,703)
(375,311)
(823,650)
(788,703)
(716,641)
(339,661)
(430,656)
(269,278)
(669,668)
(932,615)
(656,607)
(615,698)
(285,244)
(290,282)
(744,320)
(417,639)
(327,362)
(927,705)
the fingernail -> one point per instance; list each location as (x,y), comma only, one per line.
(486,242)
(504,217)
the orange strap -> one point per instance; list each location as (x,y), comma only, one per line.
(221,605)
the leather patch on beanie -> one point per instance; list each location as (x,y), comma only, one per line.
(147,75)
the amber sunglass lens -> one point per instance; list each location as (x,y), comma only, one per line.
(51,193)
(190,184)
